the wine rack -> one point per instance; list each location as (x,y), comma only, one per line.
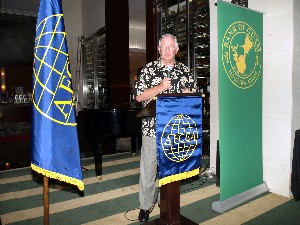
(189,22)
(94,70)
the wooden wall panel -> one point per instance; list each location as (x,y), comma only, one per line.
(117,24)
(151,30)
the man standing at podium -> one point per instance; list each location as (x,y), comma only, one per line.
(164,75)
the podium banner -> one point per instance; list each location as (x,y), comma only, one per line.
(178,137)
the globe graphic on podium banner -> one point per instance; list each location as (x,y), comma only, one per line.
(179,138)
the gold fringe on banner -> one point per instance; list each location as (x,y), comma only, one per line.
(177,177)
(58,176)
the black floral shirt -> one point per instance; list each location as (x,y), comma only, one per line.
(152,75)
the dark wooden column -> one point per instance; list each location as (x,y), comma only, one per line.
(151,30)
(117,34)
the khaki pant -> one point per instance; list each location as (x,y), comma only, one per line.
(148,172)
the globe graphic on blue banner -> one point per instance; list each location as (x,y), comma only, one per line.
(52,81)
(179,138)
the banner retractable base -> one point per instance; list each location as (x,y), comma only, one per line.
(223,206)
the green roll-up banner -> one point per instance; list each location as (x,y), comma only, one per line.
(240,65)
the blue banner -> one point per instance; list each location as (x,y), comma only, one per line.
(178,137)
(55,149)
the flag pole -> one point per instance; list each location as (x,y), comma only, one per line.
(46,200)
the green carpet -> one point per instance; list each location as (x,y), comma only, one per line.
(114,199)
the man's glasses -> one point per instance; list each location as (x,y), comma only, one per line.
(164,47)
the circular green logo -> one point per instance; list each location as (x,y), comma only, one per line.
(241,55)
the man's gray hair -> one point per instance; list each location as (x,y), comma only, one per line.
(168,35)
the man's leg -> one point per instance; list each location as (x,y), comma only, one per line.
(148,171)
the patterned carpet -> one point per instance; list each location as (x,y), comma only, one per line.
(114,199)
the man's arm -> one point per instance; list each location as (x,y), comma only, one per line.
(152,92)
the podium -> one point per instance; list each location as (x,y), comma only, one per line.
(170,192)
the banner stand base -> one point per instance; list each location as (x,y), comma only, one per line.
(223,206)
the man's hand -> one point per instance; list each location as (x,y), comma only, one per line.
(166,83)
(186,90)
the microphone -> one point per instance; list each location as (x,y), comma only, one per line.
(169,68)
